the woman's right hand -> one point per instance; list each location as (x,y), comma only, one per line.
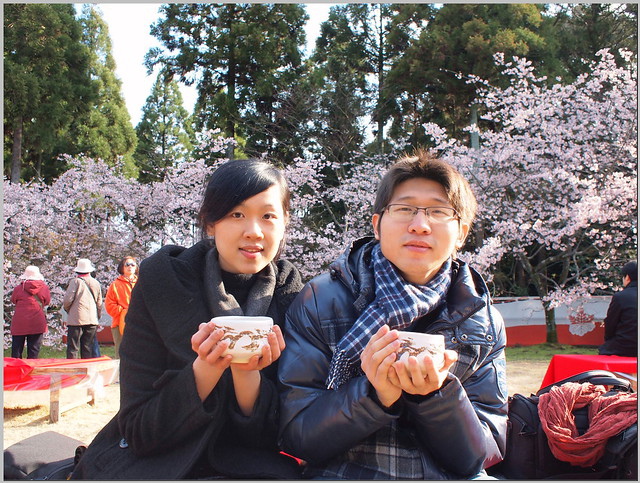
(210,363)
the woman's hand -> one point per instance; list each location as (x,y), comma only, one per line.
(410,378)
(208,343)
(246,376)
(376,361)
(210,364)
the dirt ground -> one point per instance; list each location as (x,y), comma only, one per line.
(84,422)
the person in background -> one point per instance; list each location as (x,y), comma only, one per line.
(621,321)
(118,297)
(83,303)
(29,321)
(349,407)
(186,411)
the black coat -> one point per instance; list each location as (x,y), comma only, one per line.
(163,427)
(621,323)
(458,430)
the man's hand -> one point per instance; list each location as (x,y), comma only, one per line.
(411,379)
(376,361)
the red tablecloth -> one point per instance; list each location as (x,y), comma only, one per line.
(565,365)
(17,372)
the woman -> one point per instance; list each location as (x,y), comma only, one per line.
(185,410)
(29,322)
(118,296)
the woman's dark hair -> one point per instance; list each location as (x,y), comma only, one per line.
(125,260)
(235,181)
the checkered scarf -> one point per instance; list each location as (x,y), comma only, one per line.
(397,303)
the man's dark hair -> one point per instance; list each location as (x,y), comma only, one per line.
(631,269)
(425,164)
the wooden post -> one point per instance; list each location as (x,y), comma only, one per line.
(54,404)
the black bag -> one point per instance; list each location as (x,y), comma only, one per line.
(45,456)
(528,455)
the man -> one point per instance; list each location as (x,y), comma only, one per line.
(621,322)
(349,407)
(83,303)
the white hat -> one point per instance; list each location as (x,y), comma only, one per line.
(32,273)
(84,266)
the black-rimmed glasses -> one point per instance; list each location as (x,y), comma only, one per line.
(406,213)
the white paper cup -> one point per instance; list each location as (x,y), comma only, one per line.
(246,335)
(418,344)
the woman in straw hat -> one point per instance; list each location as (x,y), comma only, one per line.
(29,322)
(83,303)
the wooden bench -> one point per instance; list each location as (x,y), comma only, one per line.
(86,391)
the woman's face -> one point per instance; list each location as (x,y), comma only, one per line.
(249,236)
(129,267)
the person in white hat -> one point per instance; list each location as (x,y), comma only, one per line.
(83,303)
(29,321)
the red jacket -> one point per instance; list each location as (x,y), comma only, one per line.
(117,300)
(28,317)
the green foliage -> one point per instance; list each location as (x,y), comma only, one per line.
(105,132)
(165,135)
(460,41)
(46,86)
(585,28)
(61,93)
(246,58)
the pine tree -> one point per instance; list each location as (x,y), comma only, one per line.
(46,86)
(105,131)
(246,59)
(165,135)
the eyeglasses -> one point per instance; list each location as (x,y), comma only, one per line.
(130,264)
(406,213)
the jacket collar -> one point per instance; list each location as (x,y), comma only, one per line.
(468,292)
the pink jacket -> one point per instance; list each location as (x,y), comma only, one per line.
(28,317)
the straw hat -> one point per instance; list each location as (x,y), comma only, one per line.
(32,273)
(84,266)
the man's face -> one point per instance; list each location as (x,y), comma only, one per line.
(419,247)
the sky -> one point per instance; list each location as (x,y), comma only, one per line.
(129,25)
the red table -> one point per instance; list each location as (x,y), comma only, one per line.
(565,365)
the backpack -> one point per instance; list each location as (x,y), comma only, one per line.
(528,455)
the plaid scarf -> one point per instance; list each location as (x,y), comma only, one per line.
(397,303)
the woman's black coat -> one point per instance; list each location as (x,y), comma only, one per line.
(163,427)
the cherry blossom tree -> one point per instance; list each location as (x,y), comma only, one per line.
(93,212)
(556,179)
(329,215)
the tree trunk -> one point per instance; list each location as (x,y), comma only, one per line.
(550,320)
(39,166)
(542,290)
(475,140)
(380,134)
(16,151)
